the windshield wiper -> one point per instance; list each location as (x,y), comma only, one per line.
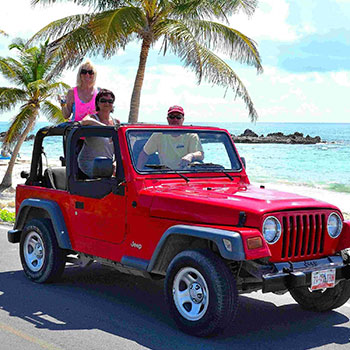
(211,166)
(165,167)
(205,165)
(227,174)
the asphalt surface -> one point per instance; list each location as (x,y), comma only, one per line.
(99,308)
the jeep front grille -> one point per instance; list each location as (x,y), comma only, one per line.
(303,235)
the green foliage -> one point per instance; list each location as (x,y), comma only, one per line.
(186,28)
(7,216)
(34,72)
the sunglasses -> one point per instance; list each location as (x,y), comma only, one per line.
(85,71)
(103,100)
(175,116)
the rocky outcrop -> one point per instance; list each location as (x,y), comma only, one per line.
(250,136)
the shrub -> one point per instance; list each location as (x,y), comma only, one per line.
(7,216)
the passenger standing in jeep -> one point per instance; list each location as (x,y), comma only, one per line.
(80,100)
(98,146)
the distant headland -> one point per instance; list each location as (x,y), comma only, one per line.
(250,136)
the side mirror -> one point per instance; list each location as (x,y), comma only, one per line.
(24,174)
(244,163)
(102,167)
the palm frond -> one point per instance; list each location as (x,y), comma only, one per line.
(49,90)
(9,97)
(207,9)
(19,123)
(19,74)
(37,85)
(219,37)
(52,112)
(213,69)
(61,27)
(17,43)
(112,29)
(100,5)
(6,69)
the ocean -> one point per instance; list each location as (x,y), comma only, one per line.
(324,166)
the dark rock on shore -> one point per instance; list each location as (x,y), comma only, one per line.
(250,136)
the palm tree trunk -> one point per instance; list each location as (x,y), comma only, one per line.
(7,180)
(136,94)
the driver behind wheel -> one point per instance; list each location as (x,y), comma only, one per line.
(176,150)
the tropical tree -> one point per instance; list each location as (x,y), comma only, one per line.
(34,76)
(185,27)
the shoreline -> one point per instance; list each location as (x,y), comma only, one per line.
(339,199)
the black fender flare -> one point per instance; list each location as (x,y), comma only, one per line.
(213,234)
(55,214)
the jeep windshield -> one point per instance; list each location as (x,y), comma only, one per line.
(183,150)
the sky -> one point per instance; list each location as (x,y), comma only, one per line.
(305,52)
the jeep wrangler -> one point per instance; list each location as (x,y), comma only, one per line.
(202,227)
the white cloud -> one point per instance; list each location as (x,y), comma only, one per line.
(341,78)
(268,22)
(19,18)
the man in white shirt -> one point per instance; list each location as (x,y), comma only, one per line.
(175,150)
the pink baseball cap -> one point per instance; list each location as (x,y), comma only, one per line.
(175,108)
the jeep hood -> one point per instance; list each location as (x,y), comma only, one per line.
(221,203)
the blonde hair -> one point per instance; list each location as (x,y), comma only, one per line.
(84,65)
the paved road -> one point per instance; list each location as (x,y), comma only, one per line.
(98,308)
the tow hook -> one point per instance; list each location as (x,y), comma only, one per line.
(346,255)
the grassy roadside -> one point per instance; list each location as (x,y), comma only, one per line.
(7,216)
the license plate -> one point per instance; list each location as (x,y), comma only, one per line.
(323,279)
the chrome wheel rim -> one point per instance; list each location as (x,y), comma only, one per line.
(191,294)
(34,251)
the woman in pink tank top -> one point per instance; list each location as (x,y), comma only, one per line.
(81,99)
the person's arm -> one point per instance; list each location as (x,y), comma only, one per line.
(90,120)
(196,151)
(141,161)
(149,148)
(67,107)
(191,157)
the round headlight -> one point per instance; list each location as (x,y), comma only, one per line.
(334,225)
(271,230)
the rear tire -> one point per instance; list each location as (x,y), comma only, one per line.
(322,300)
(201,293)
(42,259)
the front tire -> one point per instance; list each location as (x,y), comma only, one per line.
(201,293)
(42,259)
(322,300)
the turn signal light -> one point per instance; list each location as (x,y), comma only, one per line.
(254,242)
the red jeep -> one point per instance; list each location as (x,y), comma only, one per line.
(202,227)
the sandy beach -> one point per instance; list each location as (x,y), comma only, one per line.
(340,199)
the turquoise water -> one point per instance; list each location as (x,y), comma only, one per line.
(324,165)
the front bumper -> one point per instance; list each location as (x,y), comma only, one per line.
(292,275)
(14,236)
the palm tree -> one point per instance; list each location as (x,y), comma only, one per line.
(184,26)
(35,76)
